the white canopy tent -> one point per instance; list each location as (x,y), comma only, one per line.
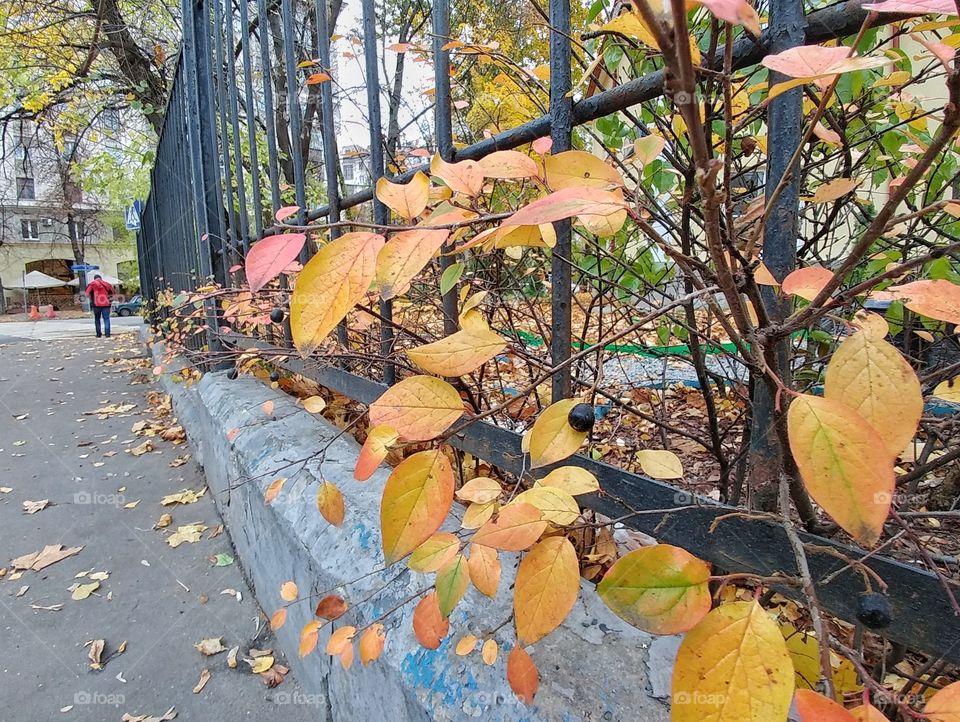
(36,280)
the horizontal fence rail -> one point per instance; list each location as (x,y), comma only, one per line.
(237,120)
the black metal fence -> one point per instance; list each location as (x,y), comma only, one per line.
(200,219)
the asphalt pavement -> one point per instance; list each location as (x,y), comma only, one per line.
(69,407)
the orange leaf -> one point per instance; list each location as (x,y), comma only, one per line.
(868,713)
(429,626)
(579,169)
(660,589)
(317,78)
(419,408)
(331,607)
(548,582)
(944,705)
(806,282)
(466,645)
(340,639)
(408,200)
(332,283)
(567,203)
(844,464)
(480,490)
(308,637)
(278,619)
(330,503)
(371,643)
(434,553)
(464,177)
(508,164)
(375,447)
(404,256)
(271,493)
(484,564)
(522,674)
(417,497)
(871,376)
(288,591)
(814,707)
(938,299)
(489,651)
(515,528)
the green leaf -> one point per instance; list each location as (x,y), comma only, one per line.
(450,277)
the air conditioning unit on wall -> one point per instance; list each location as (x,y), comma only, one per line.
(47,222)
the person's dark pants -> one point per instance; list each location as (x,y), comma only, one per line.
(102,312)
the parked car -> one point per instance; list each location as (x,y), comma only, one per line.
(130,307)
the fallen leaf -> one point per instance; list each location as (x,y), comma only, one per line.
(166,717)
(187,496)
(95,652)
(262,664)
(32,507)
(84,590)
(210,646)
(188,533)
(163,522)
(202,682)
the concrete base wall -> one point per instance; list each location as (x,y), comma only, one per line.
(594,667)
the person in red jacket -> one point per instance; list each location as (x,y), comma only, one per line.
(100,293)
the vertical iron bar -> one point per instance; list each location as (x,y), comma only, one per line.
(444,131)
(381,214)
(251,118)
(293,104)
(329,136)
(561,126)
(221,103)
(193,25)
(231,78)
(263,30)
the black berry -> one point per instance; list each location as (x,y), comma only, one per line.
(276,315)
(232,374)
(275,376)
(581,417)
(873,610)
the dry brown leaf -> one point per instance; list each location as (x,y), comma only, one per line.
(95,653)
(211,646)
(202,682)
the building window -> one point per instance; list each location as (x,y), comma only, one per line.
(348,172)
(75,230)
(25,189)
(30,230)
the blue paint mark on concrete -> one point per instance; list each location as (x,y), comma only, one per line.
(364,537)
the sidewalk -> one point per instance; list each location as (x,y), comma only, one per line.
(149,602)
(47,329)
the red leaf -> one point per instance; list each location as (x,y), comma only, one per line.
(270,256)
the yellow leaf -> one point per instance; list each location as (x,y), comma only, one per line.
(477,515)
(844,464)
(552,438)
(508,164)
(557,505)
(834,190)
(660,464)
(288,591)
(407,200)
(571,479)
(404,256)
(371,643)
(417,497)
(262,664)
(489,652)
(548,582)
(275,486)
(330,503)
(314,404)
(484,565)
(872,324)
(481,490)
(84,590)
(660,589)
(434,553)
(331,283)
(460,353)
(467,644)
(632,25)
(464,177)
(949,390)
(514,529)
(869,375)
(648,148)
(452,582)
(733,667)
(375,447)
(577,168)
(419,408)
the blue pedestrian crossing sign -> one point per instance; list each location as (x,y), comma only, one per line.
(133,216)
